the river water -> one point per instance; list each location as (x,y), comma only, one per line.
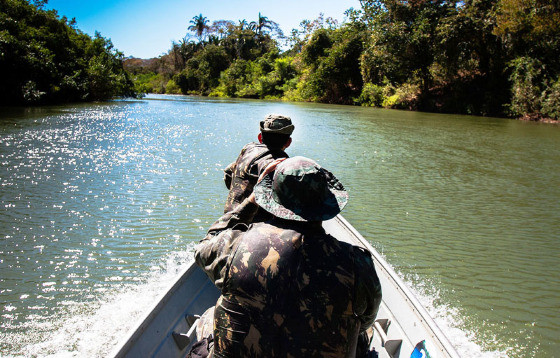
(101,204)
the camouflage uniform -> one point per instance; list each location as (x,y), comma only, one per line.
(241,176)
(288,288)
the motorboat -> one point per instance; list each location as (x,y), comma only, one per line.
(403,328)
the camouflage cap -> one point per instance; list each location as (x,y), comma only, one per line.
(300,189)
(277,123)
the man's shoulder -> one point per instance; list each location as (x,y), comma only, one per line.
(349,254)
(253,145)
(253,150)
(265,231)
(363,256)
(262,228)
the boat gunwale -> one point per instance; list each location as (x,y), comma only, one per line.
(145,320)
(427,320)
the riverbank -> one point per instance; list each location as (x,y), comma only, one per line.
(387,55)
(381,57)
(539,119)
(526,118)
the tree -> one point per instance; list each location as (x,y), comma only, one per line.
(45,59)
(202,72)
(407,31)
(300,36)
(199,25)
(530,28)
(222,28)
(331,65)
(262,23)
(242,24)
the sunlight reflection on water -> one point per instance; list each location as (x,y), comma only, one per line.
(96,198)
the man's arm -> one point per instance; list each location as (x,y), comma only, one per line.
(228,174)
(213,251)
(368,290)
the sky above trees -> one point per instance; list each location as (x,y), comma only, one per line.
(146,28)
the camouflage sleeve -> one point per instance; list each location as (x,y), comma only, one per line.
(212,253)
(254,170)
(368,290)
(242,214)
(228,174)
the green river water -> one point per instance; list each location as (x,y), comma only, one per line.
(101,204)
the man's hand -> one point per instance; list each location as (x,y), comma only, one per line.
(269,168)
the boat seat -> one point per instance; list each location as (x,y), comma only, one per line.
(182,339)
(392,346)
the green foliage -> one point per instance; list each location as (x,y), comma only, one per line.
(155,83)
(332,62)
(534,93)
(482,57)
(105,72)
(172,88)
(530,28)
(372,95)
(526,81)
(202,71)
(403,97)
(45,59)
(551,101)
(316,47)
(269,77)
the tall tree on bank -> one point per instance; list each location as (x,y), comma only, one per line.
(262,23)
(199,25)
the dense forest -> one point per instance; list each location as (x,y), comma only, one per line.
(46,59)
(482,57)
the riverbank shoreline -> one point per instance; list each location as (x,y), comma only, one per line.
(525,118)
(538,119)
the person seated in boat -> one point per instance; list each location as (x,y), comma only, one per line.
(241,175)
(287,287)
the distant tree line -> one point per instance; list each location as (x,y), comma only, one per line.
(46,59)
(482,57)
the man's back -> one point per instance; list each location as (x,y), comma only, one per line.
(241,175)
(244,172)
(293,290)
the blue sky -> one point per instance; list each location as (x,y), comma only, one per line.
(146,28)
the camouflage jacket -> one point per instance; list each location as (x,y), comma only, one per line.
(288,289)
(241,176)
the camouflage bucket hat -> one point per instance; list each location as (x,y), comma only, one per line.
(301,190)
(277,123)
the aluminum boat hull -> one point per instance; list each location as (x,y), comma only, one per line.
(403,327)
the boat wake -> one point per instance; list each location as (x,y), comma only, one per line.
(449,321)
(96,331)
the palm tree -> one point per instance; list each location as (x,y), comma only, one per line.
(199,25)
(263,23)
(242,24)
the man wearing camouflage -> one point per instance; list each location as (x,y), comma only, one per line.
(288,288)
(241,175)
